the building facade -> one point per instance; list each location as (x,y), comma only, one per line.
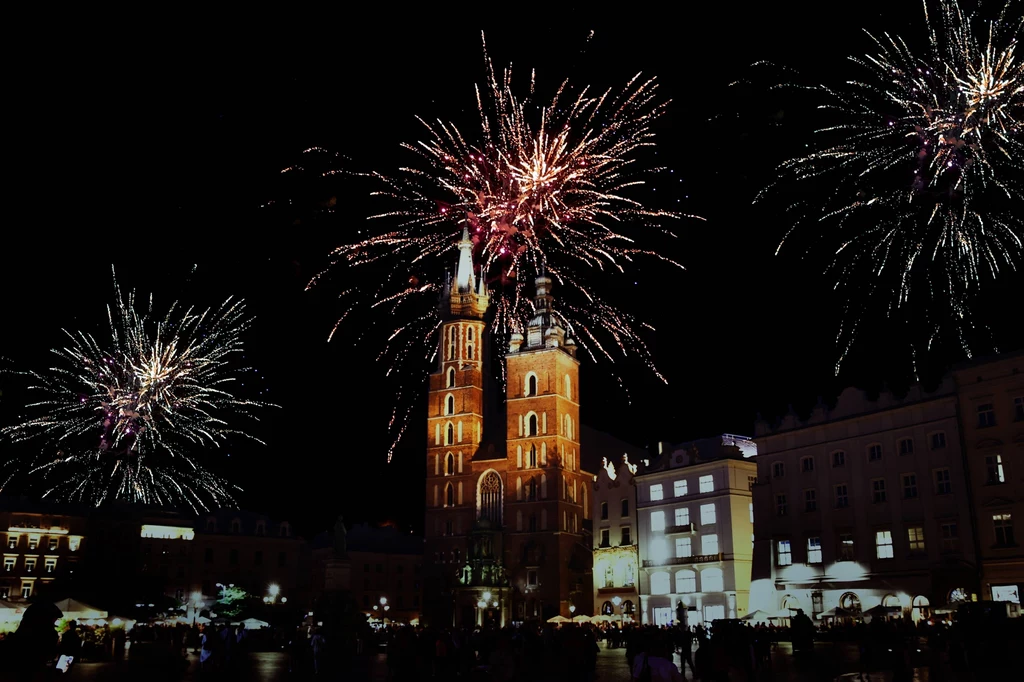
(505,538)
(42,548)
(861,506)
(695,523)
(991,398)
(387,573)
(616,561)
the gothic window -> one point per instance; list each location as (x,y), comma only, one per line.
(451,377)
(490,498)
(533,456)
(469,351)
(449,434)
(449,464)
(531,384)
(531,490)
(449,495)
(449,404)
(469,333)
(451,343)
(568,387)
(531,425)
(519,489)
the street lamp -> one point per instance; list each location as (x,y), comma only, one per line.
(572,612)
(617,600)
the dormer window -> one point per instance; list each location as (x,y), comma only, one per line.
(261,528)
(236,526)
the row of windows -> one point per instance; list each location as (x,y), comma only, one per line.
(684,547)
(604,510)
(51,543)
(987,412)
(681,517)
(904,446)
(705,484)
(624,541)
(711,580)
(26,590)
(31,563)
(453,344)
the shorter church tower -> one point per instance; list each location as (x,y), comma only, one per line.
(546,541)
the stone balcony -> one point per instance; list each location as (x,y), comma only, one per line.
(683,560)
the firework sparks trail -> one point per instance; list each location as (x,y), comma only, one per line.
(925,161)
(121,417)
(539,186)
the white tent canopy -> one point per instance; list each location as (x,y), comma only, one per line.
(254,624)
(558,619)
(76,610)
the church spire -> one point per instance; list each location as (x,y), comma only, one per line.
(464,276)
(546,329)
(467,300)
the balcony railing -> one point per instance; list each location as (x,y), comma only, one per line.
(680,560)
(681,529)
(612,590)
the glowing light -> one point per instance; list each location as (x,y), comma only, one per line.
(917,182)
(551,186)
(275,590)
(121,419)
(168,532)
(37,531)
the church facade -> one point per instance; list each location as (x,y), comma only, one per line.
(507,520)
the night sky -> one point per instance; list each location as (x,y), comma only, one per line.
(159,155)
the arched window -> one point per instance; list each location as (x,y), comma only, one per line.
(285,530)
(531,425)
(449,434)
(490,498)
(891,601)
(957,595)
(568,387)
(921,608)
(449,404)
(850,602)
(711,580)
(531,384)
(607,609)
(449,495)
(609,576)
(533,456)
(531,490)
(469,351)
(449,464)
(451,377)
(469,333)
(451,343)
(660,583)
(628,608)
(686,581)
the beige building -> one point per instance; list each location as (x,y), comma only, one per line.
(991,397)
(616,561)
(864,505)
(695,523)
(42,545)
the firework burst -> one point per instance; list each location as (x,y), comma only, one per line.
(915,185)
(121,418)
(547,186)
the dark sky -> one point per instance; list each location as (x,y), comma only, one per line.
(156,154)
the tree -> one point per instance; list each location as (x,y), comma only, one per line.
(232,600)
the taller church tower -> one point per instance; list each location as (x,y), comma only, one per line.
(454,432)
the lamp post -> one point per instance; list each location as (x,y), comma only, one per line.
(616,601)
(572,612)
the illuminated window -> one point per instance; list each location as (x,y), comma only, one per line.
(943,483)
(658,520)
(30,564)
(711,580)
(938,440)
(783,553)
(950,536)
(531,384)
(53,544)
(50,564)
(780,505)
(9,564)
(874,452)
(678,488)
(449,404)
(74,542)
(906,446)
(838,458)
(657,492)
(26,590)
(451,378)
(1004,529)
(846,547)
(810,500)
(686,581)
(915,536)
(682,516)
(994,469)
(878,490)
(33,542)
(684,547)
(12,541)
(807,464)
(707,514)
(706,484)
(778,469)
(660,583)
(709,544)
(986,415)
(909,486)
(883,544)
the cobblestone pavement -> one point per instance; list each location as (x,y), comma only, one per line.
(827,662)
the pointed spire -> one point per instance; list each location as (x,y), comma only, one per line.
(464,279)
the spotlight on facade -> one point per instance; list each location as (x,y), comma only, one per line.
(487,596)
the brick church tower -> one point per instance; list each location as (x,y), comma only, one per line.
(505,521)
